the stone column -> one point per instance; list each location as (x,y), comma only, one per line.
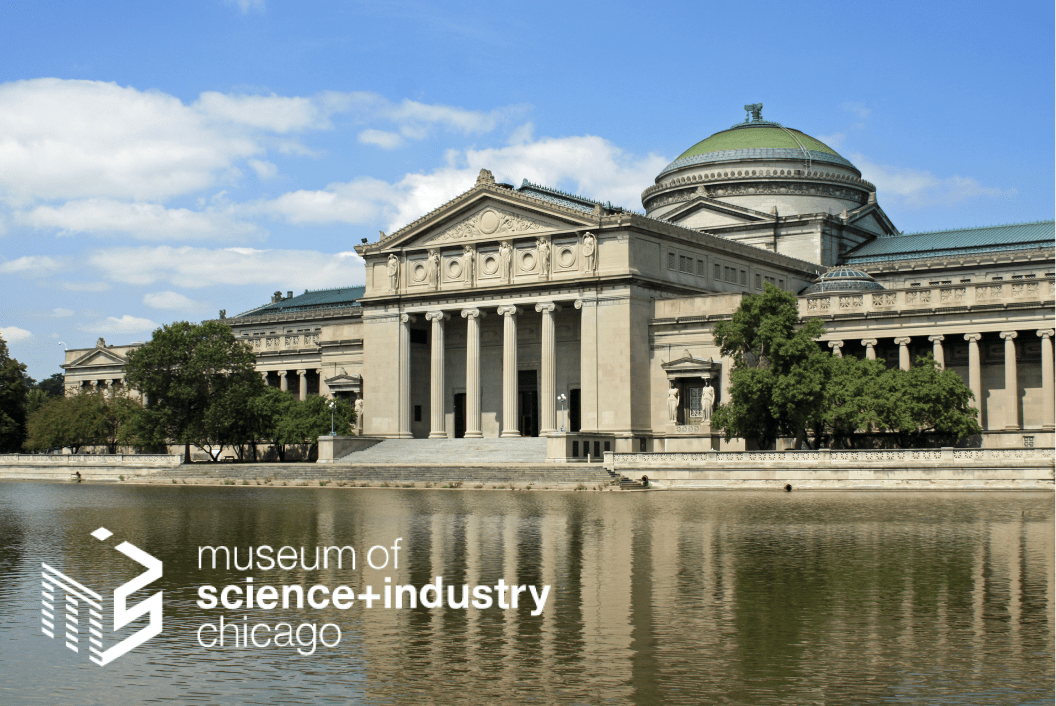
(836,346)
(870,348)
(436,376)
(324,391)
(547,363)
(264,376)
(404,382)
(1011,381)
(302,392)
(975,375)
(1048,419)
(509,370)
(903,352)
(283,385)
(472,317)
(937,352)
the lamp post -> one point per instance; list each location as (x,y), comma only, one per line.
(332,432)
(562,399)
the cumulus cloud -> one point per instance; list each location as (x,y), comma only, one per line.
(32,265)
(112,324)
(60,312)
(919,188)
(381,138)
(265,170)
(14,334)
(143,221)
(588,165)
(169,301)
(200,267)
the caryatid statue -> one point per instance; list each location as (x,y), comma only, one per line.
(544,257)
(590,252)
(707,400)
(468,263)
(672,404)
(359,416)
(434,268)
(394,273)
(506,256)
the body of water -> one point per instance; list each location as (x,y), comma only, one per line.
(655,598)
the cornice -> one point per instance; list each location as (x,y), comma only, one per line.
(742,176)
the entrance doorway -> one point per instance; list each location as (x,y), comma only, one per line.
(460,415)
(528,402)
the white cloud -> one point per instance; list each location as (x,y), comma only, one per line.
(246,5)
(858,108)
(381,138)
(920,188)
(169,301)
(588,165)
(834,140)
(278,114)
(200,267)
(143,221)
(14,334)
(59,311)
(264,170)
(32,265)
(126,324)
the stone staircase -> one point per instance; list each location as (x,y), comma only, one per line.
(447,451)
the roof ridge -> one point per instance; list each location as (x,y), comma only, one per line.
(960,230)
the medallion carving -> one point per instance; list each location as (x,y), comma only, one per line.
(491,221)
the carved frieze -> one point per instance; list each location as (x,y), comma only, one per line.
(490,221)
(764,188)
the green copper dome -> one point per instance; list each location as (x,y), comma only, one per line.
(755,136)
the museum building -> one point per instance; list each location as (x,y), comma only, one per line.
(525,311)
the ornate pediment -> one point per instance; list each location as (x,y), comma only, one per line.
(688,366)
(97,357)
(491,222)
(344,383)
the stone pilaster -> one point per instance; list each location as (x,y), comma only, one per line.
(903,352)
(1048,394)
(472,317)
(302,393)
(975,374)
(436,376)
(509,370)
(548,364)
(1011,381)
(836,347)
(405,377)
(937,352)
(870,348)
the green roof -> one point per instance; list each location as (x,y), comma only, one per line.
(959,241)
(337,298)
(756,137)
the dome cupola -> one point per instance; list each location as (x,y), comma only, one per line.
(843,279)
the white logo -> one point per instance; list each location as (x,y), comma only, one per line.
(80,600)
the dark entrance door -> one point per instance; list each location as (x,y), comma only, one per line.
(573,410)
(460,415)
(528,402)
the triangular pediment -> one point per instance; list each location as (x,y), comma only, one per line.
(734,215)
(486,214)
(97,357)
(688,365)
(344,377)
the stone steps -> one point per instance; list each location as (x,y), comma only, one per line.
(460,451)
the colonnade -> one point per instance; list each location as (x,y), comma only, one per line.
(473,315)
(1012,420)
(302,374)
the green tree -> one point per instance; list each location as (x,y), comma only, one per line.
(266,412)
(13,390)
(852,405)
(926,405)
(84,419)
(306,421)
(198,379)
(780,374)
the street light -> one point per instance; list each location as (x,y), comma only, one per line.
(562,399)
(332,432)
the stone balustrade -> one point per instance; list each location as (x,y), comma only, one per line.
(925,299)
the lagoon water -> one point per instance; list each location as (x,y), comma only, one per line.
(660,597)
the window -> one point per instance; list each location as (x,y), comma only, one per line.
(744,278)
(642,447)
(700,268)
(685,264)
(670,261)
(966,281)
(914,284)
(608,446)
(781,284)
(597,449)
(1030,276)
(731,275)
(575,449)
(758,281)
(997,279)
(1017,276)
(718,272)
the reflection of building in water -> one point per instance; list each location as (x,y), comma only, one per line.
(476,316)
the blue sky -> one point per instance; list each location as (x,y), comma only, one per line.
(161,161)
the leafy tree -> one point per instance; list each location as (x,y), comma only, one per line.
(84,419)
(266,411)
(306,421)
(780,374)
(53,386)
(855,393)
(198,379)
(13,391)
(926,404)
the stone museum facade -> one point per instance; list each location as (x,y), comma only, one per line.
(525,311)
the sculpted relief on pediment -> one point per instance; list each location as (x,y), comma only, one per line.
(490,223)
